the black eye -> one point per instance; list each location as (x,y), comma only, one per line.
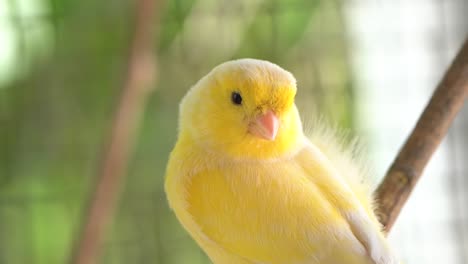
(236,98)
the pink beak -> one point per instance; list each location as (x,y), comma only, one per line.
(265,126)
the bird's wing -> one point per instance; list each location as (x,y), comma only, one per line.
(350,203)
(346,153)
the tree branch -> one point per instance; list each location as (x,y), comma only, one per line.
(446,102)
(139,77)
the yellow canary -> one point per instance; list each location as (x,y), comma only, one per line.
(251,188)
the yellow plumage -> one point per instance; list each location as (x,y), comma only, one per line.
(250,188)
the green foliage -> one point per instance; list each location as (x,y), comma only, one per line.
(278,26)
(173,21)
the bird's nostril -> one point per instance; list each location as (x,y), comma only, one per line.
(263,107)
(259,109)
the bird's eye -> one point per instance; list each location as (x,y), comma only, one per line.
(236,98)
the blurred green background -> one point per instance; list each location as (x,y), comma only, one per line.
(59,91)
(61,70)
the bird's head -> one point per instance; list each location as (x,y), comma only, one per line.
(245,109)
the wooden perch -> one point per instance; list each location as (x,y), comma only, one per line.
(139,76)
(446,102)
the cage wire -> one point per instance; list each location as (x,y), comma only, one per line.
(406,47)
(369,66)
